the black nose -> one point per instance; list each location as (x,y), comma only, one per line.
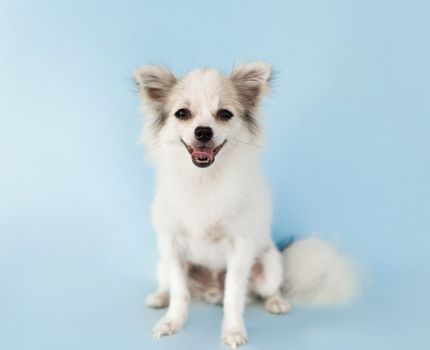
(203,133)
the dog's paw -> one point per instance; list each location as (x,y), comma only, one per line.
(277,305)
(233,338)
(166,327)
(158,300)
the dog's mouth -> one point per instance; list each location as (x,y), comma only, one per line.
(203,155)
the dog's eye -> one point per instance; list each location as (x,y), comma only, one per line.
(183,113)
(224,114)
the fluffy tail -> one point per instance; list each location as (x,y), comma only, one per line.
(315,273)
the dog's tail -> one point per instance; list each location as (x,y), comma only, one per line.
(315,273)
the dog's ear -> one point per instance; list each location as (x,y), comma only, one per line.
(154,83)
(252,81)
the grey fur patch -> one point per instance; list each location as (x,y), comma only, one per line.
(160,121)
(155,84)
(252,82)
(215,233)
(250,121)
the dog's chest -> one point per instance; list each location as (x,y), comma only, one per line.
(204,207)
(205,213)
(209,247)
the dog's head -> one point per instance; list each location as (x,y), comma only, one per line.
(204,111)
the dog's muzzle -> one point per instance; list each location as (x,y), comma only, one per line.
(203,155)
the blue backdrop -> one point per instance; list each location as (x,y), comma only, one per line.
(348,157)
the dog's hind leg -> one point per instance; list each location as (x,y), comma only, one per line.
(160,298)
(266,280)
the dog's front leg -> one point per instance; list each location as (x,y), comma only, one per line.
(239,265)
(176,269)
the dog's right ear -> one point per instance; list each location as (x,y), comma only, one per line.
(154,83)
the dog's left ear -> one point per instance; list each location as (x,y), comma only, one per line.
(252,81)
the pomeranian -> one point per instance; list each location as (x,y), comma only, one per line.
(212,207)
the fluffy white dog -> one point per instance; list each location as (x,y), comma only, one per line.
(212,208)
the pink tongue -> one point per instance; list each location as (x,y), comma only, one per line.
(203,153)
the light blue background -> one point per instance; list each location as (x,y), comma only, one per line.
(348,157)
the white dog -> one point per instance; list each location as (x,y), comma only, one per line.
(212,208)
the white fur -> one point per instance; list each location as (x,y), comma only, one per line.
(314,273)
(219,216)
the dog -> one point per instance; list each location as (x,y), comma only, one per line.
(212,206)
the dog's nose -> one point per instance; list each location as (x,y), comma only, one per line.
(203,133)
